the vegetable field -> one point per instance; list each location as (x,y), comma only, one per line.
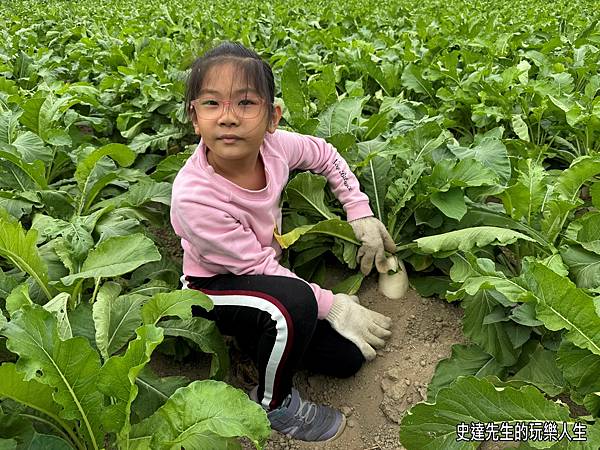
(473,127)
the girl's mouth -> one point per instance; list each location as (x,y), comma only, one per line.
(229,138)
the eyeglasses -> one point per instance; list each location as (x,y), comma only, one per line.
(212,108)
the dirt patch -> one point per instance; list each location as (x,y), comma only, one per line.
(376,398)
(168,241)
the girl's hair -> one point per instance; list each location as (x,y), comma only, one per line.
(258,73)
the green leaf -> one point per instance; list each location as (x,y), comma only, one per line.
(580,367)
(115,318)
(323,87)
(18,298)
(589,234)
(85,168)
(428,286)
(40,114)
(560,305)
(568,185)
(158,141)
(412,78)
(205,334)
(341,117)
(176,303)
(146,191)
(48,227)
(584,265)
(401,190)
(595,193)
(524,314)
(205,414)
(468,238)
(571,108)
(45,441)
(31,148)
(7,284)
(287,240)
(479,274)
(21,250)
(29,393)
(374,183)
(494,338)
(570,180)
(167,168)
(332,227)
(465,360)
(9,120)
(153,391)
(117,378)
(71,367)
(116,256)
(524,199)
(592,403)
(24,435)
(292,89)
(82,323)
(489,150)
(543,372)
(449,173)
(451,203)
(479,214)
(306,192)
(350,285)
(8,444)
(97,187)
(520,127)
(130,124)
(472,400)
(15,204)
(59,306)
(555,213)
(19,175)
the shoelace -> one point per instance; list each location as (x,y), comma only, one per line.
(304,415)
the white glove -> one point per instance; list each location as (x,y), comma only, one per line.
(365,328)
(375,238)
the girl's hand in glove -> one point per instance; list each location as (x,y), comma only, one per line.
(375,239)
(365,328)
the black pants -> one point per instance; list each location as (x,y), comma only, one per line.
(274,319)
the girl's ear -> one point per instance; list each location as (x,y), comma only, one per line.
(275,118)
(194,121)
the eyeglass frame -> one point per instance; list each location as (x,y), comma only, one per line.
(230,106)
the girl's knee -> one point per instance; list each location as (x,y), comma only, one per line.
(307,302)
(352,363)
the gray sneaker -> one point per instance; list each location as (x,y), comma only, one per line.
(304,420)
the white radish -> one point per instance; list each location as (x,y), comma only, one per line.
(394,284)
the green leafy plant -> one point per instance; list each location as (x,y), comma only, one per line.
(85,402)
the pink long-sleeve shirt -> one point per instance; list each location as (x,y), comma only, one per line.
(225,228)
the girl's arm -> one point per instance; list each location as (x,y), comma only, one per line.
(221,242)
(315,154)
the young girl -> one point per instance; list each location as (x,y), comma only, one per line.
(225,207)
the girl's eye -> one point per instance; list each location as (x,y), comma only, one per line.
(247,102)
(209,103)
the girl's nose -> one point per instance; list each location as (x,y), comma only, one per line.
(228,116)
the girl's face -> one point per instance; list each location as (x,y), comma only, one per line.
(230,116)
